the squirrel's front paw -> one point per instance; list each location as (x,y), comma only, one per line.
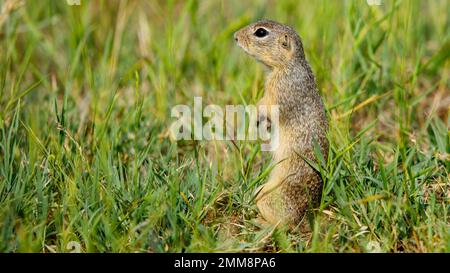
(264,121)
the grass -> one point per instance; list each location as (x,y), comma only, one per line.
(86,162)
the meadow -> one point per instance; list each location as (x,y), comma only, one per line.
(86,158)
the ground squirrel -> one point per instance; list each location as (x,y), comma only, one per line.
(293,186)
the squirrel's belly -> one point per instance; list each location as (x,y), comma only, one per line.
(283,149)
(292,183)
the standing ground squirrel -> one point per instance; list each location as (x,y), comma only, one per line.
(293,185)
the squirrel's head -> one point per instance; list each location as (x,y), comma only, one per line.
(271,43)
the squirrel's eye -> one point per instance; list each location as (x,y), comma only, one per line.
(261,32)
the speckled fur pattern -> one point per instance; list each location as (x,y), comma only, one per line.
(293,186)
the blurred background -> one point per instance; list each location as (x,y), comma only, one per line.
(85,98)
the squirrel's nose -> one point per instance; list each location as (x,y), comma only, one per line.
(235,36)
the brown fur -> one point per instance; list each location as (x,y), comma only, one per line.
(293,186)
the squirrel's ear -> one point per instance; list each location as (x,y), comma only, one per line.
(285,41)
